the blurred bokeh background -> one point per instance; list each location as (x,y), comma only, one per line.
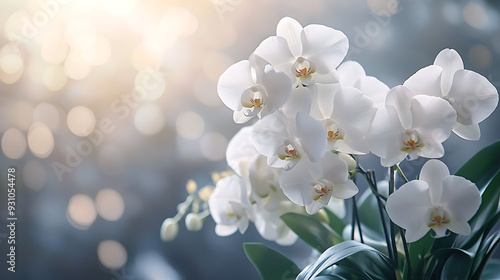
(108,108)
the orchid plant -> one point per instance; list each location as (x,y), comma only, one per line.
(292,169)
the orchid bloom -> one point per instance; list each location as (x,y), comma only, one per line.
(346,114)
(286,141)
(230,206)
(307,55)
(312,184)
(253,88)
(472,96)
(410,126)
(437,201)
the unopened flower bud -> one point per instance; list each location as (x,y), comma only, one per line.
(191,186)
(169,229)
(193,222)
(351,163)
(205,192)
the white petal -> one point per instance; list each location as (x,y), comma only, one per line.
(261,176)
(440,230)
(300,101)
(331,77)
(374,89)
(400,98)
(451,62)
(322,103)
(461,198)
(426,81)
(325,47)
(409,205)
(275,50)
(278,88)
(467,132)
(434,172)
(458,227)
(474,97)
(312,135)
(384,136)
(415,234)
(290,29)
(269,133)
(241,116)
(345,190)
(296,184)
(233,82)
(334,168)
(433,117)
(225,230)
(240,150)
(315,206)
(353,111)
(350,72)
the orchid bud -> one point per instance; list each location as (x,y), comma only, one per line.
(193,222)
(351,163)
(169,229)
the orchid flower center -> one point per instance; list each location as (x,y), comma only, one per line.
(334,132)
(411,141)
(437,217)
(288,152)
(320,190)
(253,98)
(303,69)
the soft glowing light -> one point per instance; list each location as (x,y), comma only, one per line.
(119,7)
(13,143)
(54,77)
(219,34)
(480,56)
(109,204)
(54,51)
(184,21)
(112,254)
(190,125)
(205,91)
(214,64)
(102,51)
(47,114)
(21,113)
(149,119)
(384,8)
(13,27)
(143,57)
(76,65)
(150,83)
(81,121)
(78,33)
(475,15)
(34,175)
(111,160)
(81,211)
(11,64)
(213,146)
(40,140)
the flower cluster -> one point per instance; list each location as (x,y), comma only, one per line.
(312,113)
(312,109)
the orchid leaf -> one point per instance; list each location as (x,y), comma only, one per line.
(270,264)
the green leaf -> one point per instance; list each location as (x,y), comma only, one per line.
(312,231)
(362,261)
(270,264)
(419,251)
(484,215)
(482,166)
(335,222)
(492,270)
(457,266)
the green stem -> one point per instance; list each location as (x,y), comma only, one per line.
(392,225)
(371,183)
(358,221)
(381,213)
(407,254)
(401,174)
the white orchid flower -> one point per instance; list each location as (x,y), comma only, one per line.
(253,88)
(312,184)
(307,55)
(437,201)
(286,141)
(230,206)
(472,96)
(410,126)
(346,114)
(240,151)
